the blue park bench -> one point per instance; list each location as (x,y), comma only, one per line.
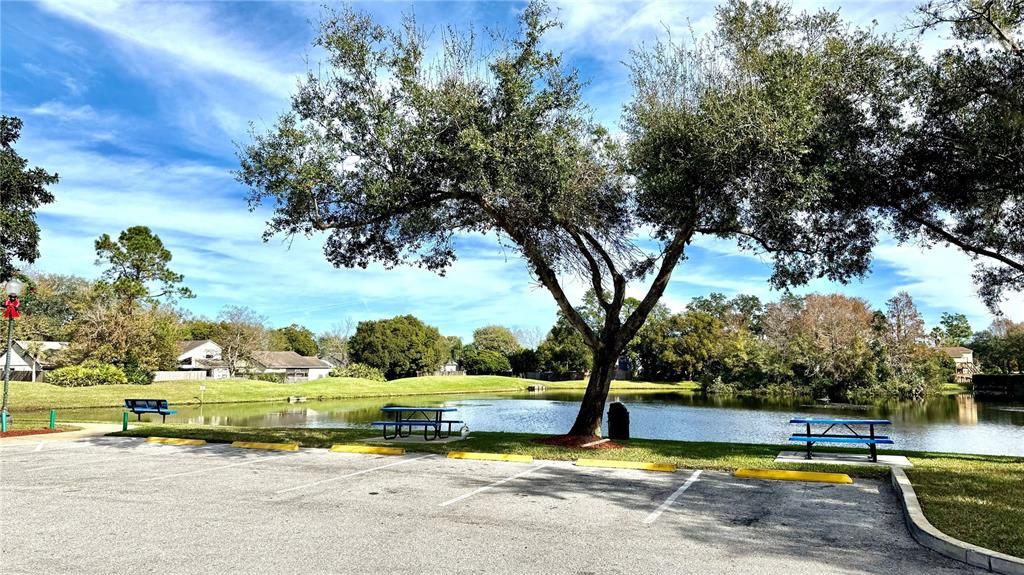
(853,438)
(140,406)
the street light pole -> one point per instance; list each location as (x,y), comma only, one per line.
(7,368)
(10,314)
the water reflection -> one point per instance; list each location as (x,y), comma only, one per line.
(953,423)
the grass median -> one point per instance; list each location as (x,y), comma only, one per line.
(35,396)
(976,498)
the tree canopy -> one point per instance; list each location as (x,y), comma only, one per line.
(393,154)
(496,338)
(24,190)
(399,347)
(294,338)
(138,262)
(954,172)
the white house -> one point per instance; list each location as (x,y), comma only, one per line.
(963,358)
(295,367)
(29,359)
(202,355)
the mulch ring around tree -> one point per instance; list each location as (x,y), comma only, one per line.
(19,432)
(579,442)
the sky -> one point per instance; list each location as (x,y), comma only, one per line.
(140,107)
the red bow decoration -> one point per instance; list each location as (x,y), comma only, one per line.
(11,309)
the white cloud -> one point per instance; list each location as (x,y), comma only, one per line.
(65,113)
(187,35)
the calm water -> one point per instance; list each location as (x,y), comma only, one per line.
(950,423)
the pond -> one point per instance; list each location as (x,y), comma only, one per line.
(956,423)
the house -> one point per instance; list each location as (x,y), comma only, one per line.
(335,359)
(451,368)
(29,359)
(202,355)
(963,358)
(293,366)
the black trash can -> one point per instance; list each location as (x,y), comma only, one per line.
(618,421)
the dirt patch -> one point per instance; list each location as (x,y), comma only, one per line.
(578,442)
(19,432)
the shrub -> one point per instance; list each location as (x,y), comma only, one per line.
(271,377)
(360,370)
(138,376)
(87,374)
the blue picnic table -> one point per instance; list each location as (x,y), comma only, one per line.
(853,437)
(429,418)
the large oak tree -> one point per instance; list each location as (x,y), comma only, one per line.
(756,134)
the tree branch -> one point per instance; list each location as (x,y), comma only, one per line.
(545,274)
(673,252)
(948,236)
(618,280)
(595,270)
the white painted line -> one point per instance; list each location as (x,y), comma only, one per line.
(353,474)
(198,471)
(672,498)
(493,485)
(40,446)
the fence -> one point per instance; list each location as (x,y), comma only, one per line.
(998,386)
(178,375)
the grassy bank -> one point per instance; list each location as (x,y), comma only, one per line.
(976,498)
(28,396)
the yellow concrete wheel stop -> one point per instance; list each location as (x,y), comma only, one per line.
(271,446)
(490,456)
(339,448)
(614,464)
(788,475)
(176,441)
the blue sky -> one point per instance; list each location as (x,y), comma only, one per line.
(138,107)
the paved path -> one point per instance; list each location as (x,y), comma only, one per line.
(118,505)
(87,430)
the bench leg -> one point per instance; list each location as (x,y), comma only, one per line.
(874,453)
(140,415)
(808,456)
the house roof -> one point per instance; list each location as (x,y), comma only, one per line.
(287,360)
(40,351)
(188,345)
(211,363)
(956,351)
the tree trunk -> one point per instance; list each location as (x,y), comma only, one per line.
(588,421)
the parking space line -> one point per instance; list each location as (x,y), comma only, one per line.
(198,471)
(672,498)
(353,474)
(493,485)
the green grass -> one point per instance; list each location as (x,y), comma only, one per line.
(29,396)
(976,498)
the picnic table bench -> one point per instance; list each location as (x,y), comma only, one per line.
(430,419)
(140,406)
(870,439)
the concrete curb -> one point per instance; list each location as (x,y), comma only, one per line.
(926,534)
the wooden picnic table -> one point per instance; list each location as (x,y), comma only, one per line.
(870,439)
(430,418)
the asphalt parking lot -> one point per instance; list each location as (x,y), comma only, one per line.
(119,505)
